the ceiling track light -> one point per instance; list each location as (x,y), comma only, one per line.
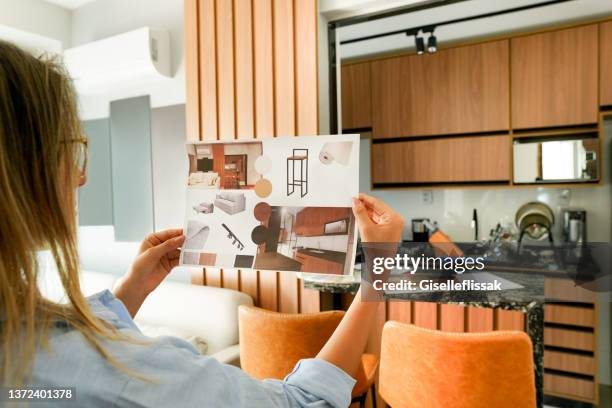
(432,44)
(420,44)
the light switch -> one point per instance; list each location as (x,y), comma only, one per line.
(427,197)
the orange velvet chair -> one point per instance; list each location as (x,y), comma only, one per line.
(272,343)
(429,368)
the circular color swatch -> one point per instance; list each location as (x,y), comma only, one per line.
(263,164)
(262,212)
(259,235)
(263,188)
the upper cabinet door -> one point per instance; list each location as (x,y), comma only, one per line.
(554,78)
(356,96)
(605,64)
(458,90)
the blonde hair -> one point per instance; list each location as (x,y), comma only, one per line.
(38,176)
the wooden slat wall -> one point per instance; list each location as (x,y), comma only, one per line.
(248,78)
(455,318)
(192,43)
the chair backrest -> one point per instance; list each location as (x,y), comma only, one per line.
(272,343)
(429,368)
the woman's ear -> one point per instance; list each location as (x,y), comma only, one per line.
(82,179)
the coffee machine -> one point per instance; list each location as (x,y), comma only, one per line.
(420,231)
(574,225)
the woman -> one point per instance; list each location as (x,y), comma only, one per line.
(92,344)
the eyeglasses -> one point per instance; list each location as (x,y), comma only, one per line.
(81,152)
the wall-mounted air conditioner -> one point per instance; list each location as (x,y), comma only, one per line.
(140,56)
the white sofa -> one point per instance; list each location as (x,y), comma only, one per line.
(230,202)
(203,315)
(200,179)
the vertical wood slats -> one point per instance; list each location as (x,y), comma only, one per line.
(455,318)
(225,69)
(208,70)
(192,74)
(254,81)
(306,84)
(243,39)
(479,319)
(425,314)
(231,278)
(452,318)
(284,70)
(263,68)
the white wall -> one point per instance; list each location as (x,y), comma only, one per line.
(170,166)
(102,19)
(37,17)
(97,246)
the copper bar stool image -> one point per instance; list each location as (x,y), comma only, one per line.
(299,156)
(271,343)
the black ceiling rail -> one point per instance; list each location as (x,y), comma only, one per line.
(430,27)
(377,15)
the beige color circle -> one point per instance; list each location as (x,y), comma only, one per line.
(263,188)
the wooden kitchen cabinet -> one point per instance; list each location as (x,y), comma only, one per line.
(310,222)
(605,64)
(554,78)
(318,265)
(454,91)
(570,341)
(442,160)
(356,96)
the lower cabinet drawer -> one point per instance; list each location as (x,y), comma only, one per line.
(570,362)
(570,315)
(566,289)
(570,387)
(570,339)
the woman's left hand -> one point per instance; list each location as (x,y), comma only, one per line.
(158,254)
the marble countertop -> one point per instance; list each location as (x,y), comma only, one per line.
(531,291)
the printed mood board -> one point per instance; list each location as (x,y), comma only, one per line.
(280,204)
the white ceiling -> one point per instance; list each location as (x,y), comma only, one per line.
(69,4)
(520,21)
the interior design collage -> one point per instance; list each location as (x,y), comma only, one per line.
(281,204)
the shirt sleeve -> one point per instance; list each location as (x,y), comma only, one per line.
(181,378)
(177,375)
(106,306)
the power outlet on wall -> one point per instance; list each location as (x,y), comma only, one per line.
(427,197)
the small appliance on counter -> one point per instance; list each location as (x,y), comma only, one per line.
(535,219)
(420,232)
(574,225)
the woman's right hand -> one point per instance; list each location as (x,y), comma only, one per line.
(376,220)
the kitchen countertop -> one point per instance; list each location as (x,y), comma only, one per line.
(331,256)
(528,299)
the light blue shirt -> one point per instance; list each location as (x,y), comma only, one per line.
(183,377)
